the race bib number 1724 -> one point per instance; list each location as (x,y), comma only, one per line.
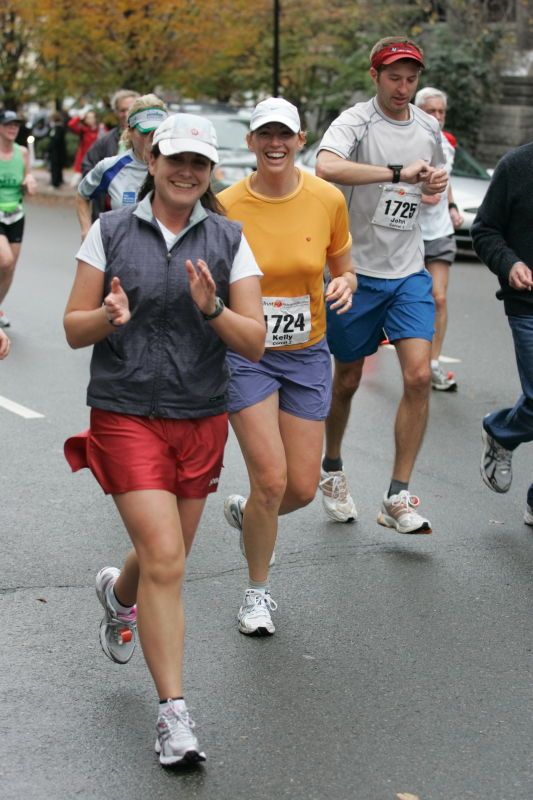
(288,320)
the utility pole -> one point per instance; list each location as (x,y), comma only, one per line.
(275,53)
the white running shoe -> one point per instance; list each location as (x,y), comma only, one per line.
(254,615)
(398,512)
(336,499)
(118,632)
(234,512)
(496,464)
(442,381)
(528,515)
(176,743)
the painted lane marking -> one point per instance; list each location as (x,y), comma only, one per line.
(16,408)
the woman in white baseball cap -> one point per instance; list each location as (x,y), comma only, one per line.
(296,224)
(162,289)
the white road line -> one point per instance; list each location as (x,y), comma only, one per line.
(16,408)
(450,360)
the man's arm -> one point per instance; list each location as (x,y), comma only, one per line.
(488,229)
(335,168)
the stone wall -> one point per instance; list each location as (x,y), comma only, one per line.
(508,123)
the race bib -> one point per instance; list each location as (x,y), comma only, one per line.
(398,208)
(287,319)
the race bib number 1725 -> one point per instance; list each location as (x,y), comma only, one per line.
(397,208)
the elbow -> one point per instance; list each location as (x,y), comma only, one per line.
(321,171)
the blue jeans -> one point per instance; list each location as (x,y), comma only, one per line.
(513,426)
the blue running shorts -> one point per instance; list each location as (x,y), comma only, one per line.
(301,377)
(402,307)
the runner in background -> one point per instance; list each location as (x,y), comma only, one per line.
(439,216)
(386,152)
(15,180)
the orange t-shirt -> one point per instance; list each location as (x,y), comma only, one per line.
(291,238)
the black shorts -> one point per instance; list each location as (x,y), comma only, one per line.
(13,232)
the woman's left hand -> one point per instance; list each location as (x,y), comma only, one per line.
(29,184)
(339,294)
(202,286)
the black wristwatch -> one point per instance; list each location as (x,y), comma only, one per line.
(219,308)
(396,170)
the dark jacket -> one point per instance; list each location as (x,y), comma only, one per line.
(104,147)
(166,361)
(502,232)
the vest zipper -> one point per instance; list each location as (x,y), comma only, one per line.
(153,411)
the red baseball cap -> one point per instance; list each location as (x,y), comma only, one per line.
(395,52)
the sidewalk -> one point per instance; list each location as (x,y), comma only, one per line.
(48,194)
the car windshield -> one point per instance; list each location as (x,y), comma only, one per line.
(466,166)
(231,132)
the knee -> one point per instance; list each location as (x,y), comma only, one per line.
(7,264)
(417,381)
(269,488)
(346,382)
(164,567)
(300,496)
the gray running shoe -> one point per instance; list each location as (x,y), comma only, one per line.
(528,515)
(4,322)
(176,743)
(118,632)
(254,615)
(234,513)
(442,381)
(397,511)
(336,499)
(496,469)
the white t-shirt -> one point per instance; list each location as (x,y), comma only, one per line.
(434,220)
(364,134)
(92,252)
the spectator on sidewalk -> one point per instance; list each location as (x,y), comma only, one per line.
(87,127)
(57,150)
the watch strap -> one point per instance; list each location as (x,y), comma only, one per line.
(219,308)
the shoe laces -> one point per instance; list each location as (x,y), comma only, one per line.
(501,454)
(405,499)
(173,717)
(261,599)
(335,486)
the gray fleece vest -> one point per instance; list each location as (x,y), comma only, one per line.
(167,361)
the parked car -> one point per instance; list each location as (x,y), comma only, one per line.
(231,125)
(469,183)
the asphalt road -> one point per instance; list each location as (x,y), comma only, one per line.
(399,664)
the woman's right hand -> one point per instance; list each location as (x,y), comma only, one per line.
(116,304)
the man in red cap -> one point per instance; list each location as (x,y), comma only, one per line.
(386,152)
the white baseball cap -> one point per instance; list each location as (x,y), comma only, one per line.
(275,109)
(187,133)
